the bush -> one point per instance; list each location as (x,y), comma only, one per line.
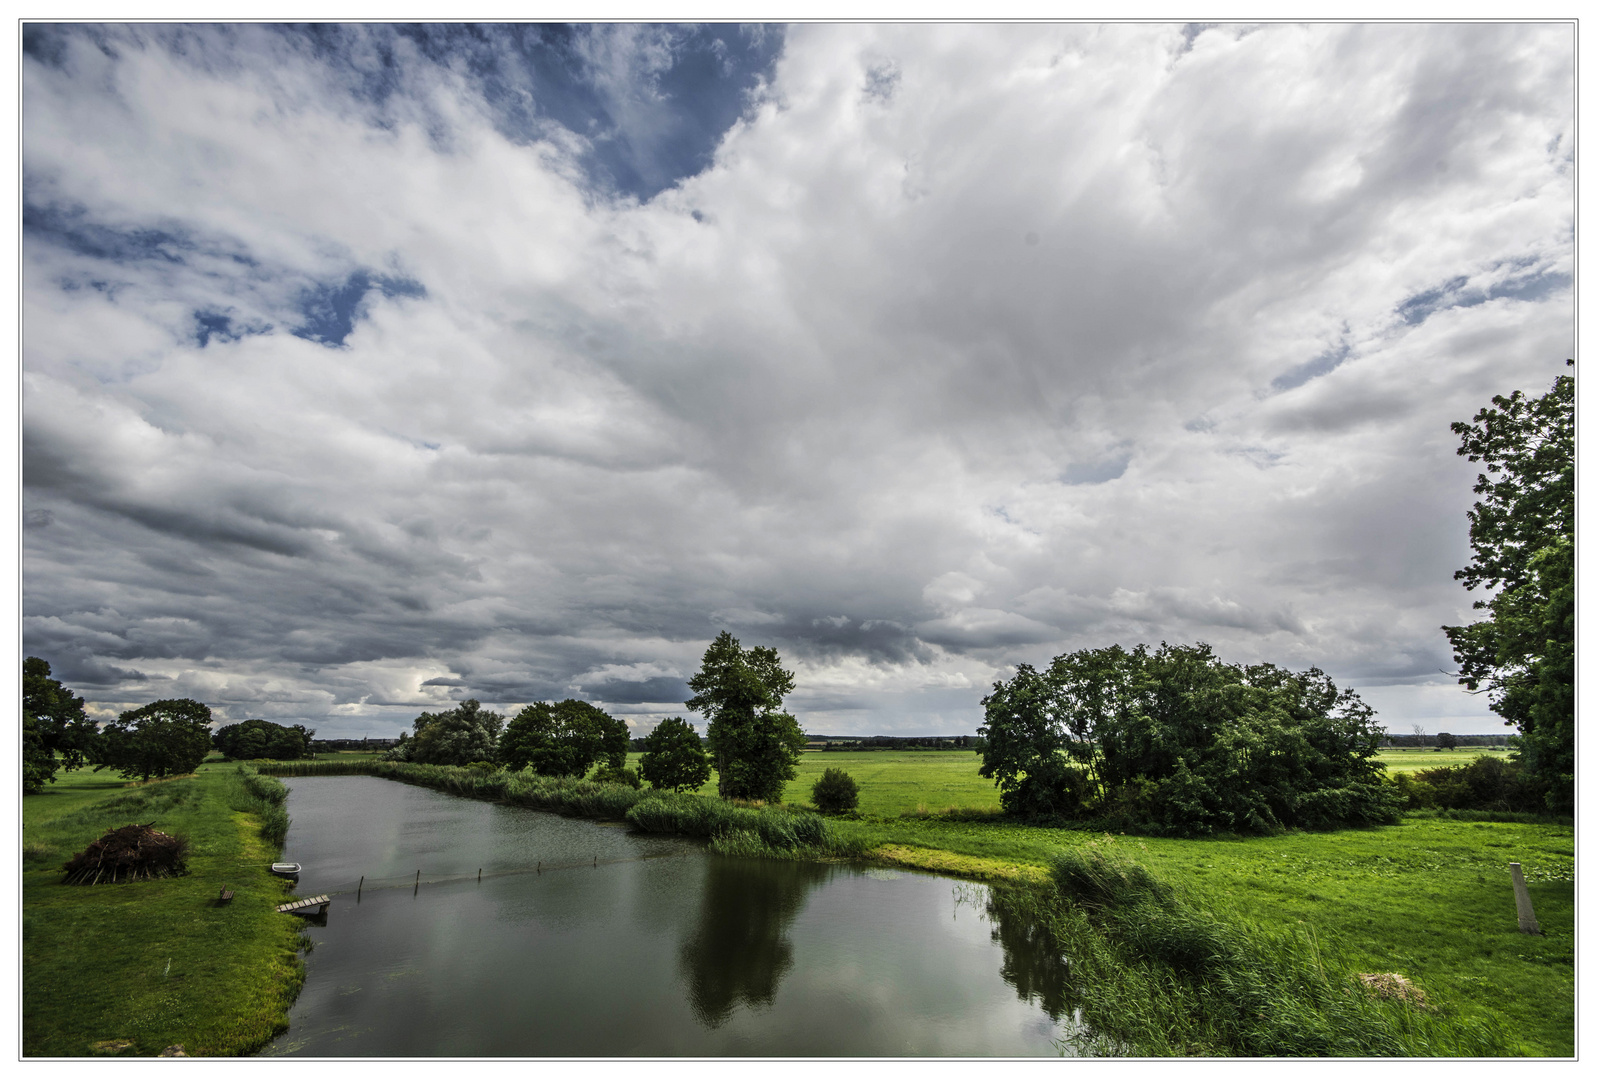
(609,774)
(835,792)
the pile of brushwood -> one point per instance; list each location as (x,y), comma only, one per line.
(1145,968)
(131,853)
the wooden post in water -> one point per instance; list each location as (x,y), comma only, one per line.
(417,889)
(359,887)
(1527,917)
(479,875)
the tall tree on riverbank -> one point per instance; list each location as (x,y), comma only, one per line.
(673,759)
(1522,535)
(755,745)
(563,738)
(460,736)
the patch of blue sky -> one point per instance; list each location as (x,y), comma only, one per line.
(1525,282)
(70,228)
(328,310)
(1323,364)
(1096,472)
(221,326)
(650,103)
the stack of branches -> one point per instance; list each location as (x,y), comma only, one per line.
(131,853)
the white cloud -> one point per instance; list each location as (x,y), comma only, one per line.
(973,353)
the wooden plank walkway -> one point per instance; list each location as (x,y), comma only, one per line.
(303,907)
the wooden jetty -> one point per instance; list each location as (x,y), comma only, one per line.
(303,907)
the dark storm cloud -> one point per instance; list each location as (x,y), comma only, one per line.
(368,368)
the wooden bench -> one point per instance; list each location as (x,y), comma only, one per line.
(227,894)
(303,907)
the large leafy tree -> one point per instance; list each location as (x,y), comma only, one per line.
(460,736)
(673,759)
(1522,539)
(756,746)
(564,738)
(1182,742)
(164,738)
(56,732)
(263,739)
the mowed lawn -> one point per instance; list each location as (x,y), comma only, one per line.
(136,967)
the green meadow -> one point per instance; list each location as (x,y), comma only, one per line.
(1429,899)
(131,969)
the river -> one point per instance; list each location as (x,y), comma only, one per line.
(589,940)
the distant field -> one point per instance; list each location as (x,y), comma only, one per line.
(1405,760)
(894,782)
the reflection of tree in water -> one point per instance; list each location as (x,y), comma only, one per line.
(1033,964)
(740,951)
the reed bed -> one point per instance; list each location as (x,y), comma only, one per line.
(1152,972)
(770,831)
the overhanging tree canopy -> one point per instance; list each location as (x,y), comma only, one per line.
(1522,539)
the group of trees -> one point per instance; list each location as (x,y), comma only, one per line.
(754,745)
(164,738)
(263,739)
(1176,740)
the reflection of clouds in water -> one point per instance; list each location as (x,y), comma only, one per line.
(741,950)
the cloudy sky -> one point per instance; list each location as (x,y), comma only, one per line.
(370,368)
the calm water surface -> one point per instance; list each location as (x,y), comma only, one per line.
(633,945)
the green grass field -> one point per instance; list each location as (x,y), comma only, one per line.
(137,967)
(1404,760)
(894,782)
(1430,899)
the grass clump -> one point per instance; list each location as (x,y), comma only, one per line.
(1153,971)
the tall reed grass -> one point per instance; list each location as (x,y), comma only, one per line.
(263,796)
(1153,973)
(769,831)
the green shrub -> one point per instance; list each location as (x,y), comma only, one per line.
(609,774)
(835,792)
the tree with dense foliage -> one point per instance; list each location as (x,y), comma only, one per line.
(164,738)
(835,792)
(460,736)
(56,732)
(563,738)
(1446,741)
(1178,741)
(673,758)
(263,739)
(1522,538)
(755,745)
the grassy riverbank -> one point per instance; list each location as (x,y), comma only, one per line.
(131,969)
(1429,899)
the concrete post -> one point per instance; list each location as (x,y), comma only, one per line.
(1527,917)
